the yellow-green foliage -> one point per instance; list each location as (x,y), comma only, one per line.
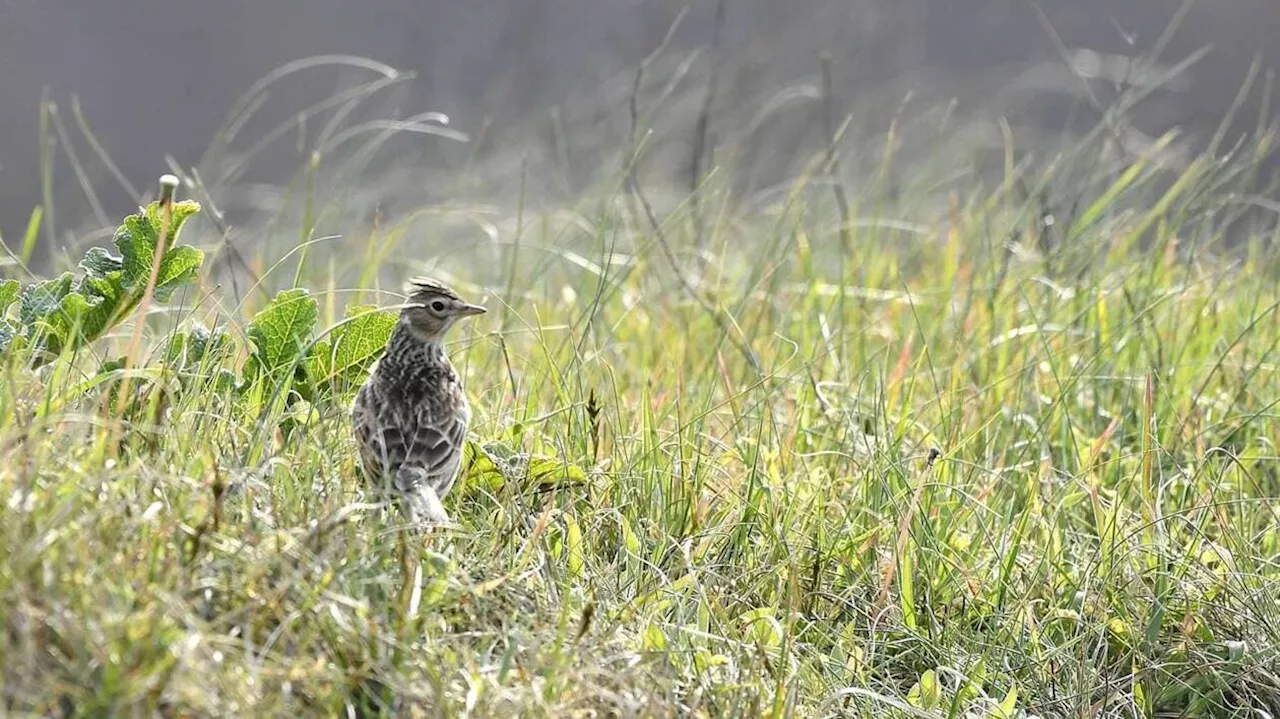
(983,465)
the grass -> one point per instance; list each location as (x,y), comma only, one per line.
(1015,458)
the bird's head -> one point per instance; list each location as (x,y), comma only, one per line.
(433,307)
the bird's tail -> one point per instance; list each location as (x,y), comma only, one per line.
(420,503)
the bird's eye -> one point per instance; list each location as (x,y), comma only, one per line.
(437,306)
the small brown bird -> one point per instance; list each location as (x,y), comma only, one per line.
(411,415)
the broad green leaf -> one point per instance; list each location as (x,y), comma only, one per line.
(972,687)
(137,238)
(177,268)
(852,654)
(224,381)
(500,451)
(281,332)
(704,661)
(98,262)
(61,312)
(342,361)
(85,317)
(85,313)
(43,298)
(927,693)
(7,333)
(8,294)
(629,539)
(39,313)
(1008,707)
(182,211)
(653,640)
(761,624)
(188,349)
(362,339)
(319,366)
(545,470)
(752,615)
(493,464)
(483,465)
(573,538)
(1118,628)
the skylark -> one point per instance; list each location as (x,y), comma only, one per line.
(411,415)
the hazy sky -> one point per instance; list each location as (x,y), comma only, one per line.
(155,77)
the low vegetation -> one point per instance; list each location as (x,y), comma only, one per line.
(855,457)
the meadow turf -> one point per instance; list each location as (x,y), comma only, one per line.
(1000,449)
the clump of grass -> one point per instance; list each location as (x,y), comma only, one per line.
(1019,459)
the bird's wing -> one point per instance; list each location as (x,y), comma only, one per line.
(408,445)
(432,446)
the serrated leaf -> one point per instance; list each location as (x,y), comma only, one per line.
(43,298)
(177,268)
(281,331)
(549,470)
(7,333)
(342,361)
(86,312)
(188,349)
(98,262)
(8,294)
(363,337)
(137,239)
(182,211)
(62,313)
(493,464)
(84,317)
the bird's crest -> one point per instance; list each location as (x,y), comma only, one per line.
(428,285)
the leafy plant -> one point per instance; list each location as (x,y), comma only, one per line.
(338,364)
(287,357)
(201,353)
(281,335)
(68,312)
(9,291)
(494,464)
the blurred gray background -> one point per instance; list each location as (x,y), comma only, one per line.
(550,78)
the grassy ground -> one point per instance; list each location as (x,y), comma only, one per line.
(1017,459)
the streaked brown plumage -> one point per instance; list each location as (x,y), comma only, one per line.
(411,415)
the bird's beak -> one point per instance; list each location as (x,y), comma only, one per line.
(466,310)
